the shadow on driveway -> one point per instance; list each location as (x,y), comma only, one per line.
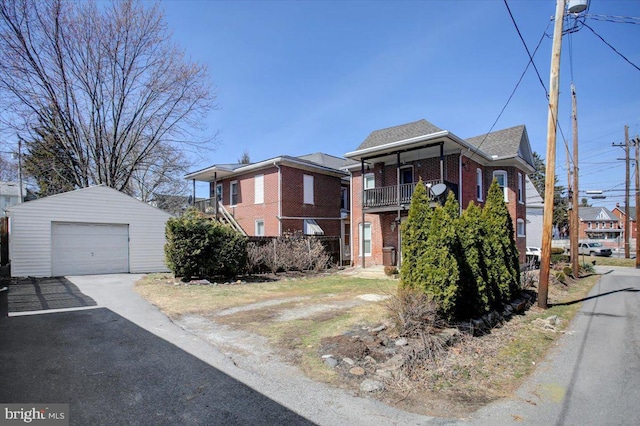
(110,371)
(36,294)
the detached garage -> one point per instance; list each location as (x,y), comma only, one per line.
(95,230)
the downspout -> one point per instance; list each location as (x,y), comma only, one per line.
(398,219)
(279,199)
(215,192)
(460,182)
(362,208)
(193,198)
(351,254)
(442,162)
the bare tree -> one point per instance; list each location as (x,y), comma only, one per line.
(245,158)
(105,87)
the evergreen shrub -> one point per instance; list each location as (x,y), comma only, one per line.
(198,246)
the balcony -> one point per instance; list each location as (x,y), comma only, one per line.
(388,198)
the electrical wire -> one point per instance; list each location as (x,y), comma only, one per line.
(615,19)
(477,148)
(612,48)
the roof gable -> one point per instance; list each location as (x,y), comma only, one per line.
(595,213)
(506,143)
(104,192)
(398,133)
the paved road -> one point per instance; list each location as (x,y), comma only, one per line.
(593,376)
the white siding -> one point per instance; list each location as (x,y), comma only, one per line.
(30,228)
(534,227)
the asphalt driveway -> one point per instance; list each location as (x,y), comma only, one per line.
(110,371)
(122,361)
(35,294)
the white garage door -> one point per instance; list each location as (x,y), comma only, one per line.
(89,248)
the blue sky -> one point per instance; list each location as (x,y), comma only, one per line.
(296,77)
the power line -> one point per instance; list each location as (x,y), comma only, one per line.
(612,48)
(615,19)
(517,84)
(526,48)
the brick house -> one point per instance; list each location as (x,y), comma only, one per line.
(620,212)
(387,165)
(307,194)
(598,223)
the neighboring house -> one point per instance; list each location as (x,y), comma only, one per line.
(10,195)
(285,194)
(389,163)
(620,213)
(535,211)
(598,223)
(95,230)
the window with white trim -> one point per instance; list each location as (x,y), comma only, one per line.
(501,177)
(259,227)
(259,189)
(311,227)
(479,188)
(520,228)
(520,188)
(233,193)
(369,181)
(308,189)
(366,238)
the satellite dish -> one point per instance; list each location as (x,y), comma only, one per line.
(438,190)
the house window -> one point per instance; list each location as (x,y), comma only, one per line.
(520,229)
(366,238)
(520,189)
(589,225)
(344,199)
(308,189)
(219,191)
(233,196)
(311,227)
(259,189)
(369,181)
(259,228)
(479,189)
(406,175)
(501,177)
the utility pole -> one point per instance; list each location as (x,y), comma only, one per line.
(626,194)
(627,184)
(636,142)
(550,172)
(574,223)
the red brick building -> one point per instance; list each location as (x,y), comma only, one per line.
(307,194)
(389,162)
(620,212)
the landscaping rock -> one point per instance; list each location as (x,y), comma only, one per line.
(401,342)
(370,386)
(348,361)
(393,364)
(379,328)
(357,371)
(331,362)
(553,320)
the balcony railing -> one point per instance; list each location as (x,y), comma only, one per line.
(387,196)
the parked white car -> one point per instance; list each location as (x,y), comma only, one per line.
(533,255)
(594,249)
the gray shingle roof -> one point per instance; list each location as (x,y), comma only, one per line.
(595,213)
(325,160)
(632,212)
(503,143)
(398,133)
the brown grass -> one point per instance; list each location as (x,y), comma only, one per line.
(473,372)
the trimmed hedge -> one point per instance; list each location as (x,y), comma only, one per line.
(198,246)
